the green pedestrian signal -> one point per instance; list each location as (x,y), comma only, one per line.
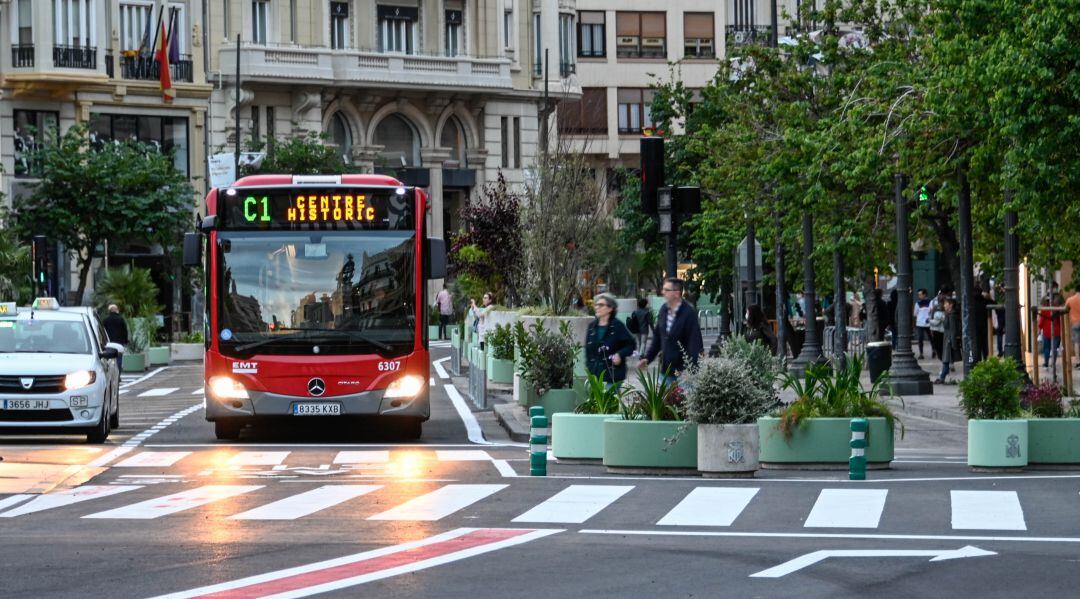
(924,196)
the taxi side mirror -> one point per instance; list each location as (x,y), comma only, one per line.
(192,249)
(109,353)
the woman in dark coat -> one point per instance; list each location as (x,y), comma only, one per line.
(608,343)
(758,328)
(950,345)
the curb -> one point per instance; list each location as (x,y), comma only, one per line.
(504,414)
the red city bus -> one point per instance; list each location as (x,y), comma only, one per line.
(315,292)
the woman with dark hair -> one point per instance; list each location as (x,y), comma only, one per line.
(608,343)
(758,328)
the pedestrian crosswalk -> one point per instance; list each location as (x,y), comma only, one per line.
(729,507)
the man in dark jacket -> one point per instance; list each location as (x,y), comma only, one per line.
(677,332)
(117,330)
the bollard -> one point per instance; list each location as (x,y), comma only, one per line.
(538,442)
(857,463)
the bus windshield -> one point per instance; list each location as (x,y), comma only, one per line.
(325,292)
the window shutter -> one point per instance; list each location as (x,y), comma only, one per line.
(627,24)
(698,25)
(652,24)
(591,18)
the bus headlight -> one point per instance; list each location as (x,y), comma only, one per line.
(406,386)
(79,379)
(224,387)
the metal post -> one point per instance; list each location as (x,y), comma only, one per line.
(236,112)
(839,310)
(967,268)
(857,462)
(672,260)
(811,349)
(906,377)
(751,263)
(538,441)
(1012,290)
(781,289)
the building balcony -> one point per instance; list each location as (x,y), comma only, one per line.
(22,56)
(742,35)
(75,57)
(325,66)
(145,68)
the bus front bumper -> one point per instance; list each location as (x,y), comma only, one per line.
(369,403)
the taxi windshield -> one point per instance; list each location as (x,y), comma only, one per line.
(43,336)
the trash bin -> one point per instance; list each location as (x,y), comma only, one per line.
(878,358)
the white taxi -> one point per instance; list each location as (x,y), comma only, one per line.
(58,372)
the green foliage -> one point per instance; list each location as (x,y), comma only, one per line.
(1043,400)
(142,331)
(602,398)
(724,391)
(120,192)
(501,341)
(548,358)
(826,393)
(15,281)
(762,367)
(131,289)
(307,154)
(654,398)
(487,252)
(992,390)
(196,337)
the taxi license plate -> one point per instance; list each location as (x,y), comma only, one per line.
(316,409)
(26,404)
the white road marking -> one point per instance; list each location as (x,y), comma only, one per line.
(142,378)
(504,468)
(803,561)
(847,508)
(987,510)
(12,500)
(574,504)
(153,459)
(158,392)
(472,427)
(198,391)
(67,497)
(306,503)
(710,506)
(362,457)
(439,370)
(825,535)
(177,502)
(439,503)
(258,458)
(123,391)
(462,455)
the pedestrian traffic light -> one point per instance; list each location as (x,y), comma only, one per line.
(652,171)
(924,196)
(40,255)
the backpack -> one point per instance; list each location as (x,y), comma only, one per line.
(632,323)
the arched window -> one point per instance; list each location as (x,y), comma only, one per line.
(453,137)
(341,136)
(400,141)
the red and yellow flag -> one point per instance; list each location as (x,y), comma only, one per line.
(161,55)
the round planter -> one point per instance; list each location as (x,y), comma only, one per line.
(822,444)
(578,436)
(500,371)
(186,351)
(997,444)
(156,356)
(727,450)
(1054,441)
(134,362)
(641,446)
(558,400)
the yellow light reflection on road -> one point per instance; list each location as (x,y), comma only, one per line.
(408,464)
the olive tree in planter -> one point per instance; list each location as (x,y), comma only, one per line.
(547,364)
(647,438)
(500,361)
(814,431)
(580,436)
(997,434)
(1053,431)
(724,397)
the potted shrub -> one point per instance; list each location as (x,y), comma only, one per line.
(433,323)
(1053,431)
(547,365)
(815,430)
(997,434)
(580,435)
(647,438)
(500,361)
(724,398)
(140,331)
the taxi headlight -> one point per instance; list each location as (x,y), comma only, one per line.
(79,379)
(406,386)
(224,387)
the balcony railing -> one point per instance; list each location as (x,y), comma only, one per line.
(22,56)
(75,57)
(742,35)
(145,68)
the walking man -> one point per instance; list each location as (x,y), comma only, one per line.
(677,333)
(116,329)
(922,321)
(446,309)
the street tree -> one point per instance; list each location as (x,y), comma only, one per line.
(486,255)
(305,154)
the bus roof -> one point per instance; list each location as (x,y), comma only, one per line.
(252,180)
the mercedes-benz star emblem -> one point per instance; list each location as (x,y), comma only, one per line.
(316,387)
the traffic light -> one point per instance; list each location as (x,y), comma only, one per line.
(40,254)
(924,196)
(652,171)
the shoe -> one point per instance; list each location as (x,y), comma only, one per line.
(920,356)
(939,382)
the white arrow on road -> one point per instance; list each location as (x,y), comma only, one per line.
(810,559)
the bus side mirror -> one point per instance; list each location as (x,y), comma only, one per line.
(192,249)
(436,258)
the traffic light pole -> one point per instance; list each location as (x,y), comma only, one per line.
(906,377)
(672,258)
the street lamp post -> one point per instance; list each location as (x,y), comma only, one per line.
(751,263)
(781,290)
(811,348)
(839,310)
(967,268)
(1012,290)
(906,377)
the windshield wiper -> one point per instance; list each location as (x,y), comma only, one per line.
(301,333)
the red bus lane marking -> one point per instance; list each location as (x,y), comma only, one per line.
(369,566)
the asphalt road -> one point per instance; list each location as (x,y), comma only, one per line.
(342,511)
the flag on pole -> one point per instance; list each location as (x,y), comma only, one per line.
(144,43)
(162,58)
(174,40)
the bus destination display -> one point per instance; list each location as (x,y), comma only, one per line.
(338,208)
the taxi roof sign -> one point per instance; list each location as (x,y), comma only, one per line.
(46,303)
(8,308)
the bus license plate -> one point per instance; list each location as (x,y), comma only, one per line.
(316,409)
(26,404)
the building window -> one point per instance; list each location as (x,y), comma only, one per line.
(566,45)
(24,23)
(508,25)
(538,47)
(452,33)
(136,28)
(400,142)
(587,115)
(591,34)
(271,129)
(635,110)
(260,21)
(397,29)
(505,139)
(166,133)
(341,136)
(256,125)
(32,127)
(75,23)
(453,137)
(339,25)
(640,35)
(698,35)
(517,142)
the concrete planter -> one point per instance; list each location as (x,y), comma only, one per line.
(501,317)
(579,325)
(1054,441)
(642,446)
(433,332)
(725,450)
(186,351)
(134,362)
(998,443)
(524,394)
(157,356)
(822,443)
(555,401)
(500,371)
(579,436)
(579,363)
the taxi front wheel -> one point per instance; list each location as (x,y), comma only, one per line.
(100,432)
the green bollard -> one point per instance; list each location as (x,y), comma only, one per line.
(538,442)
(857,463)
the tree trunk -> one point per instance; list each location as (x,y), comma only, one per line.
(950,247)
(874,330)
(84,272)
